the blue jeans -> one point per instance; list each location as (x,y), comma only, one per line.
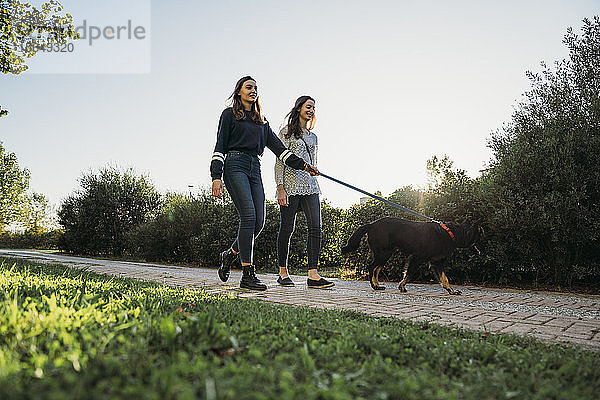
(311,206)
(242,178)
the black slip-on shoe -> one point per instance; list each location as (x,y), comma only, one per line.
(227,259)
(287,282)
(319,284)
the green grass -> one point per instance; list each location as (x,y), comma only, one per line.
(73,334)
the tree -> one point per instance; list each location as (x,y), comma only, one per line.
(451,192)
(25,30)
(13,184)
(112,202)
(36,215)
(544,180)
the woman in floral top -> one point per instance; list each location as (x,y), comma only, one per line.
(298,190)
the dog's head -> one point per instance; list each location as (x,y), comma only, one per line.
(476,238)
(469,235)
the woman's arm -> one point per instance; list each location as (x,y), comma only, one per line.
(279,167)
(286,156)
(282,198)
(218,158)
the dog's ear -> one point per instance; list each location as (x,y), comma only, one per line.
(472,231)
(473,227)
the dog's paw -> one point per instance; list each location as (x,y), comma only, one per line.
(456,293)
(401,289)
(379,287)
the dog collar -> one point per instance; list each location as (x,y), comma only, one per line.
(447,230)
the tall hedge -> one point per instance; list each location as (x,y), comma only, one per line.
(544,180)
(109,204)
(30,240)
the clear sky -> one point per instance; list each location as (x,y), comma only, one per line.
(395,83)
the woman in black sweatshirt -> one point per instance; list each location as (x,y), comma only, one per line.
(242,137)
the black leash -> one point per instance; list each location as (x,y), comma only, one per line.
(389,203)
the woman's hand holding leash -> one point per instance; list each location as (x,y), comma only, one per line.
(217,188)
(311,170)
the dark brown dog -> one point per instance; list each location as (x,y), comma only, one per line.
(421,242)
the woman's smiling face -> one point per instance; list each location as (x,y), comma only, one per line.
(248,92)
(307,110)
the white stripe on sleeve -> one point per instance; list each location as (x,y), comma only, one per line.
(218,156)
(285,155)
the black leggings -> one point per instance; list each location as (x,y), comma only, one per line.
(311,206)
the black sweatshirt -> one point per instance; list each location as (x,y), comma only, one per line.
(249,137)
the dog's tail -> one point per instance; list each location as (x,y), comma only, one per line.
(354,240)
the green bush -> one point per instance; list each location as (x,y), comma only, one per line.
(28,240)
(97,218)
(195,229)
(544,181)
(188,229)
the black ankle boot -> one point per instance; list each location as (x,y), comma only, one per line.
(227,260)
(249,279)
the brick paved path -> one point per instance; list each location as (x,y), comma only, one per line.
(551,317)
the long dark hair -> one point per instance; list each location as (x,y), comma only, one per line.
(293,117)
(238,107)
